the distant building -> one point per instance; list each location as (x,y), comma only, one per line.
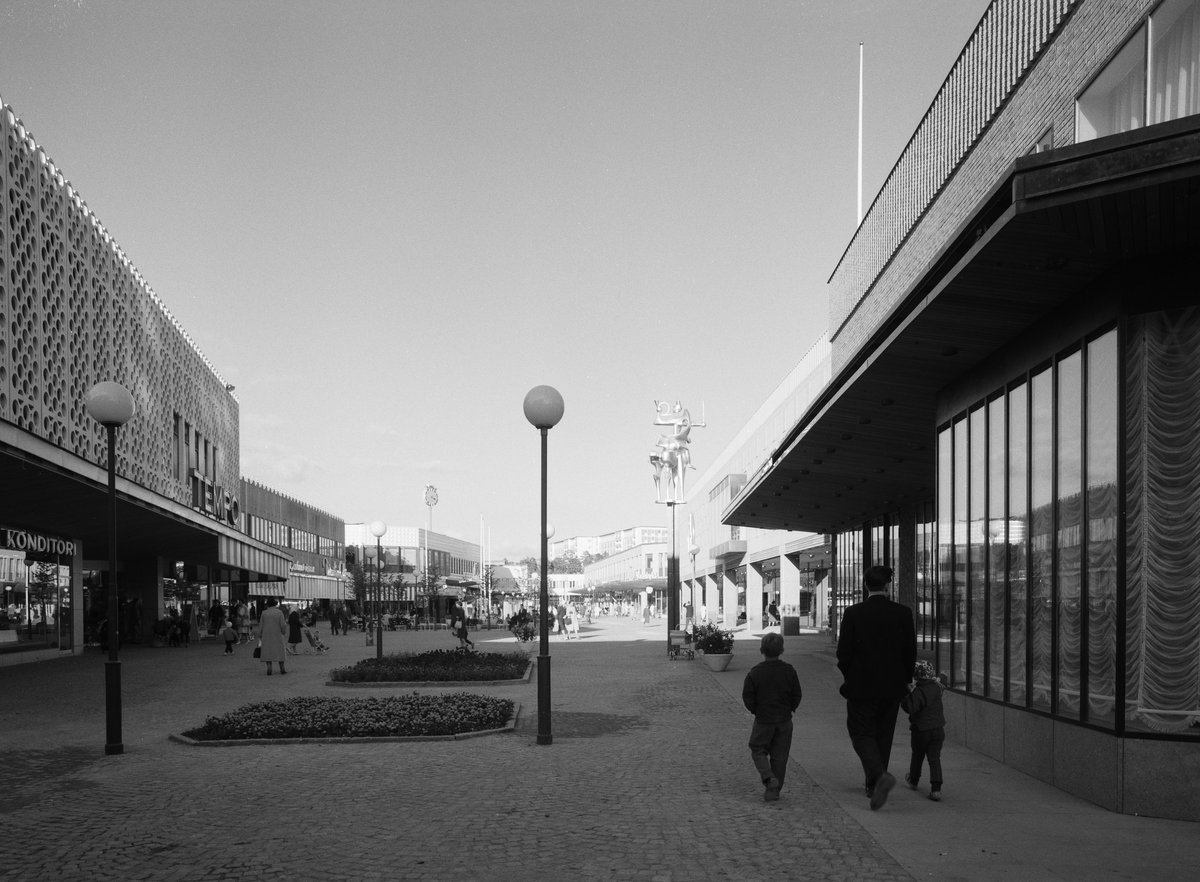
(404,557)
(609,543)
(314,539)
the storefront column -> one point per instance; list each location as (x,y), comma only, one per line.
(729,593)
(789,585)
(77,610)
(906,558)
(754,600)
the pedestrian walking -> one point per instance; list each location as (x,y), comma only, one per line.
(243,622)
(927,725)
(272,626)
(772,693)
(230,635)
(458,624)
(561,618)
(334,617)
(876,652)
(295,631)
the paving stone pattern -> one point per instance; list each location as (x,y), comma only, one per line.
(648,778)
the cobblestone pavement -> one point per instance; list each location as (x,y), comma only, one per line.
(648,778)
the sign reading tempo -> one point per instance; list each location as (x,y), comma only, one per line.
(23,540)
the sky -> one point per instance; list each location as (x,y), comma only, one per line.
(384,223)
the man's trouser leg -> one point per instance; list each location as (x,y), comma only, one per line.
(885,728)
(863,724)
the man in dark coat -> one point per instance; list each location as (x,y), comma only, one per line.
(877,649)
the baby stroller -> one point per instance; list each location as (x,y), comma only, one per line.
(314,642)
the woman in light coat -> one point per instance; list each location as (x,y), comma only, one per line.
(274,627)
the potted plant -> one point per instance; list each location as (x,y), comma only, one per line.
(715,646)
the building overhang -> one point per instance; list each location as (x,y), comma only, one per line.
(1051,224)
(727,550)
(46,489)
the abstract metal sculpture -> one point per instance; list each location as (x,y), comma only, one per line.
(672,456)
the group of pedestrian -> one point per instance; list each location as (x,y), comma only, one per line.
(877,655)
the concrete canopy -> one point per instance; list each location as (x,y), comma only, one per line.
(1053,223)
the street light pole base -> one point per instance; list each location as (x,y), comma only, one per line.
(112,708)
(545,739)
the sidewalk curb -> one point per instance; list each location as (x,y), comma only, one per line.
(402,684)
(509,726)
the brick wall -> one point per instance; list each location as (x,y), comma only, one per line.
(873,276)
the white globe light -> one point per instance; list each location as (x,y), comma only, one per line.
(549,530)
(109,404)
(543,407)
(378,528)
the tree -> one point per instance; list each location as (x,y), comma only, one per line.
(532,566)
(358,582)
(589,558)
(568,563)
(45,584)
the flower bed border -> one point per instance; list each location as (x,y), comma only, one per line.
(413,684)
(370,739)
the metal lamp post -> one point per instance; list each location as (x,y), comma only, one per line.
(378,528)
(111,405)
(544,408)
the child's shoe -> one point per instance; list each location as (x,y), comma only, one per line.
(912,784)
(935,795)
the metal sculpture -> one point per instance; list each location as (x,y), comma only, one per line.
(672,457)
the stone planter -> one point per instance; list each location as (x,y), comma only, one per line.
(717,661)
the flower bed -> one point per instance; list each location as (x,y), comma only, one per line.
(441,665)
(401,715)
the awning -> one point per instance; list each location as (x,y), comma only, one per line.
(1053,222)
(49,491)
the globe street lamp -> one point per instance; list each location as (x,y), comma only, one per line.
(111,405)
(378,528)
(544,408)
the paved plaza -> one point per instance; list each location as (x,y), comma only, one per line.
(648,778)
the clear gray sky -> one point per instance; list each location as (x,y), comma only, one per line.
(386,222)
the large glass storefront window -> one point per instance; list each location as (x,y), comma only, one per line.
(1102,505)
(1041,540)
(976,587)
(1069,517)
(997,549)
(1033,621)
(36,611)
(1018,542)
(1161,640)
(945,548)
(926,566)
(958,585)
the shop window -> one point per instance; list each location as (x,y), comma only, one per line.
(976,586)
(1102,509)
(1068,600)
(945,546)
(1041,540)
(996,547)
(1018,541)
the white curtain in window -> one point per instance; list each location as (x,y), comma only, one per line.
(1163,520)
(1125,102)
(1176,65)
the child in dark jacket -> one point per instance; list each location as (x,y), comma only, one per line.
(923,704)
(772,693)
